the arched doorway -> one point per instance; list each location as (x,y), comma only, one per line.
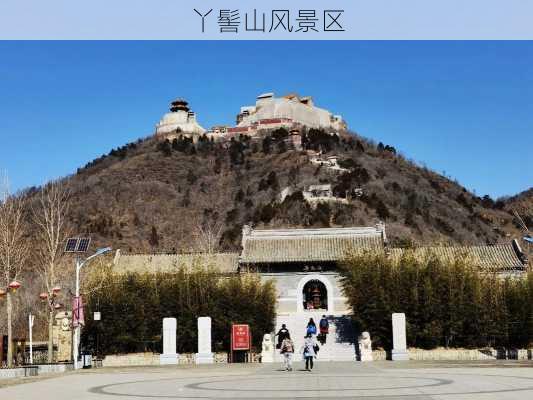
(328,293)
(315,295)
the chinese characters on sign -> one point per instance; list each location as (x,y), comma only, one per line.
(304,21)
(240,337)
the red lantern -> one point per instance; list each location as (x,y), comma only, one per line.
(56,290)
(14,286)
(43,296)
(2,293)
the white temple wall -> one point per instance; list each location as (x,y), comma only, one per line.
(284,108)
(289,287)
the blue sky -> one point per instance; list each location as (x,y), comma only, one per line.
(465,108)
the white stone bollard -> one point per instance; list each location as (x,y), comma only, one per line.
(267,349)
(169,355)
(204,355)
(365,347)
(399,339)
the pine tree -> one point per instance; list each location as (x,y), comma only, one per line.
(154,237)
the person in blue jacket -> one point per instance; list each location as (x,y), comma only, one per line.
(311,327)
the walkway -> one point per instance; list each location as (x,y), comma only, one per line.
(377,380)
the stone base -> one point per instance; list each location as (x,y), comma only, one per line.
(204,358)
(168,359)
(367,356)
(400,355)
(267,357)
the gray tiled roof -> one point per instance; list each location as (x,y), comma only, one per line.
(498,258)
(307,245)
(224,262)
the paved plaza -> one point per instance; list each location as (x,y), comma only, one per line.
(333,380)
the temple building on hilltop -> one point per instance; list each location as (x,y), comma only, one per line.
(180,120)
(289,111)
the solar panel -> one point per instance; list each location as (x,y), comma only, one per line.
(71,245)
(83,245)
(77,245)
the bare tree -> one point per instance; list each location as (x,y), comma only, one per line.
(96,277)
(49,215)
(208,235)
(13,249)
(527,212)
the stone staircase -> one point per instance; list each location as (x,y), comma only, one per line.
(340,344)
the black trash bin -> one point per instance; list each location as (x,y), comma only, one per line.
(87,360)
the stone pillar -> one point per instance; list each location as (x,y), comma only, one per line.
(62,336)
(169,355)
(204,355)
(399,340)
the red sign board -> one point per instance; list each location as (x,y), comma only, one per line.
(240,337)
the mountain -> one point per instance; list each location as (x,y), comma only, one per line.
(155,195)
(522,203)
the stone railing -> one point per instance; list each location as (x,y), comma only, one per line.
(34,370)
(148,359)
(442,354)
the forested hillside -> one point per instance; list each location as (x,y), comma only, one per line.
(162,196)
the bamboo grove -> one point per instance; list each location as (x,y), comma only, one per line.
(446,303)
(132,307)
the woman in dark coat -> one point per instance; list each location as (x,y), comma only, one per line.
(283,333)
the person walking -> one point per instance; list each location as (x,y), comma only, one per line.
(311,327)
(310,349)
(323,325)
(282,334)
(287,350)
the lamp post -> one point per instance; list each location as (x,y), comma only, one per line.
(11,288)
(77,329)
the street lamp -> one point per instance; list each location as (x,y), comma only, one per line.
(12,287)
(77,329)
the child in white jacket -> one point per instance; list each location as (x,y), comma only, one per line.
(309,351)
